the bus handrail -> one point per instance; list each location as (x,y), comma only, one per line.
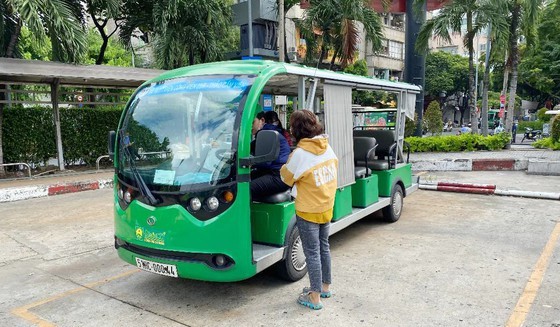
(100,158)
(17,164)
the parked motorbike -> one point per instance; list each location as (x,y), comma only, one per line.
(532,134)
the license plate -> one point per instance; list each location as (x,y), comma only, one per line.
(157,268)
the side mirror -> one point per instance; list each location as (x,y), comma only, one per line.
(112,138)
(267,148)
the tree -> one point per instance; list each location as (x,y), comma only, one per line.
(101,11)
(522,20)
(183,32)
(432,118)
(538,77)
(114,54)
(332,25)
(445,72)
(477,15)
(57,20)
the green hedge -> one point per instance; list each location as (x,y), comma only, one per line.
(535,124)
(455,143)
(29,135)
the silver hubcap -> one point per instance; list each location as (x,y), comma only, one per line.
(297,256)
(397,203)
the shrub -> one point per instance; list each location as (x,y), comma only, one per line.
(536,124)
(546,143)
(410,125)
(456,143)
(29,135)
(542,116)
(555,129)
(433,118)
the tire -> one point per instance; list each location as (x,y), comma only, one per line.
(392,212)
(293,267)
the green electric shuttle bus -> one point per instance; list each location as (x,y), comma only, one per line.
(183,159)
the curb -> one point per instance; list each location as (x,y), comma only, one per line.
(505,164)
(28,192)
(486,189)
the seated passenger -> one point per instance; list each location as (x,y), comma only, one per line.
(271,117)
(265,177)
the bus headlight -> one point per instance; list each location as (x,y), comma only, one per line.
(120,193)
(212,203)
(195,204)
(127,196)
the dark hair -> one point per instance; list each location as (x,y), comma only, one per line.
(260,115)
(304,124)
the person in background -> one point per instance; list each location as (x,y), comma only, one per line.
(514,130)
(271,117)
(265,177)
(312,173)
(258,123)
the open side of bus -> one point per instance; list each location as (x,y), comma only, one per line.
(244,237)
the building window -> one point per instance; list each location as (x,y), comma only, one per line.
(384,47)
(396,50)
(482,47)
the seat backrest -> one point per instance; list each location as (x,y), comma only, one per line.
(362,145)
(385,139)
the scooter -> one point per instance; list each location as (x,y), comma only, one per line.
(531,134)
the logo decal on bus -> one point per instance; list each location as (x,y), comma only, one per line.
(151,220)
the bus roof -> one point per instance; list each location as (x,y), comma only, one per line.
(257,67)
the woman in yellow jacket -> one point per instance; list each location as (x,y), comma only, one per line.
(311,170)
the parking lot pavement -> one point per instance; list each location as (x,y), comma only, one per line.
(451,260)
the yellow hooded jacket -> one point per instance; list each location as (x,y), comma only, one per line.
(311,170)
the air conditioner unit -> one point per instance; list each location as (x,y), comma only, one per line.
(292,56)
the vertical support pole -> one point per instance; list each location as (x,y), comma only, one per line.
(56,118)
(415,63)
(281,30)
(301,93)
(250,16)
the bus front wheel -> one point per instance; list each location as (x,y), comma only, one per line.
(293,267)
(393,211)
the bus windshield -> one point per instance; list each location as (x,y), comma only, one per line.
(178,133)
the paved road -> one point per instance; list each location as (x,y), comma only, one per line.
(466,264)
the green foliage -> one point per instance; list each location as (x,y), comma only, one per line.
(433,118)
(456,143)
(30,49)
(29,134)
(538,70)
(535,124)
(359,67)
(115,55)
(546,143)
(555,129)
(542,116)
(445,72)
(410,125)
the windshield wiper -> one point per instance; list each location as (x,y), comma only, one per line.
(144,189)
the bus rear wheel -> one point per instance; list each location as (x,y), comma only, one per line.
(392,212)
(293,267)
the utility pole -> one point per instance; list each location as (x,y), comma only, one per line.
(281,28)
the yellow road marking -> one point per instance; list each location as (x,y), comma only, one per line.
(23,312)
(523,306)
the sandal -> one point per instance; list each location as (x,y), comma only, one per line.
(324,295)
(305,300)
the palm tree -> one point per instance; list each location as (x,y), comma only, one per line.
(449,20)
(59,20)
(333,25)
(183,31)
(523,20)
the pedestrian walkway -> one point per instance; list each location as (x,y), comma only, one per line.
(55,184)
